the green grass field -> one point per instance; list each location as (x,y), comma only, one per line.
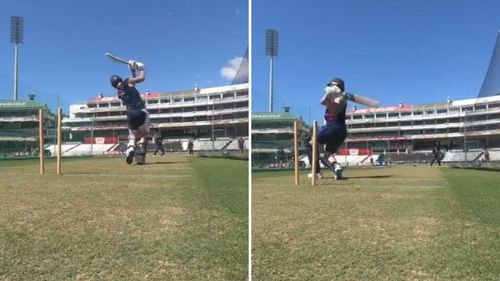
(399,223)
(177,218)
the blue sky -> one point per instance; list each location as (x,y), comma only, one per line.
(391,50)
(181,42)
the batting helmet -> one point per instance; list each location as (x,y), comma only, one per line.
(339,82)
(115,79)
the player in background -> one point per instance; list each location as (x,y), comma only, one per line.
(241,145)
(137,115)
(436,156)
(333,133)
(190,147)
(158,140)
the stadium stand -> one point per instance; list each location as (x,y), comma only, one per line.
(411,158)
(173,146)
(19,127)
(494,154)
(64,147)
(179,116)
(460,156)
(234,144)
(82,149)
(207,144)
(352,160)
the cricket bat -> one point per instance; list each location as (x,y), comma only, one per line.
(120,60)
(116,58)
(361,100)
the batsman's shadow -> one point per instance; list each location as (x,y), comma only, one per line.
(370,177)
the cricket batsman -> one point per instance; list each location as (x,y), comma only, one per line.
(333,133)
(137,115)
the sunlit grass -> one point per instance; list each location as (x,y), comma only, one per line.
(399,223)
(105,220)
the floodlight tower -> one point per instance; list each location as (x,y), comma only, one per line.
(271,51)
(16,37)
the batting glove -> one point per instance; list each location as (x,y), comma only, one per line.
(132,64)
(331,92)
(140,65)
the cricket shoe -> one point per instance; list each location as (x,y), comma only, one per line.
(130,155)
(318,175)
(337,171)
(327,162)
(333,166)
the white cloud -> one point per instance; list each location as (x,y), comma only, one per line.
(230,70)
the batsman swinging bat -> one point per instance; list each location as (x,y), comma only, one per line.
(361,100)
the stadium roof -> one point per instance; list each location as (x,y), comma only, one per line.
(16,104)
(274,116)
(456,103)
(241,76)
(491,82)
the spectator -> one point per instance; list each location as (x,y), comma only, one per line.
(291,162)
(280,157)
(241,145)
(28,150)
(486,155)
(190,147)
(381,159)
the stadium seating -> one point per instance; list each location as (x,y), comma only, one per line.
(494,155)
(118,149)
(64,147)
(411,158)
(234,144)
(170,145)
(460,156)
(173,146)
(207,144)
(352,160)
(82,149)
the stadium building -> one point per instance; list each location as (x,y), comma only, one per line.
(19,127)
(273,132)
(463,129)
(452,125)
(213,117)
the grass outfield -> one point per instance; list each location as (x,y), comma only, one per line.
(399,223)
(177,218)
